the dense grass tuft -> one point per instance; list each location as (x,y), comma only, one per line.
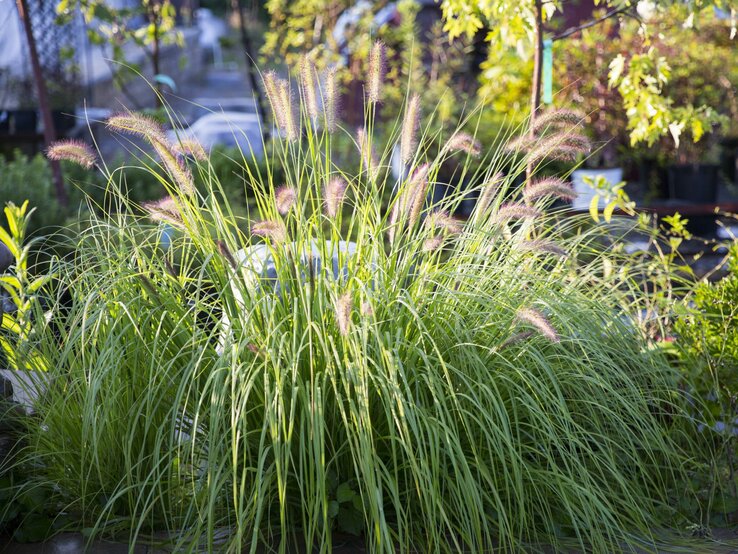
(443,386)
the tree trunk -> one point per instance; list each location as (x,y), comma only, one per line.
(252,73)
(155,20)
(43,101)
(535,93)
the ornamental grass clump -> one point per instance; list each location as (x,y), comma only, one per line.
(347,363)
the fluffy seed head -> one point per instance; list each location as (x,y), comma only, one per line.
(417,194)
(559,146)
(536,319)
(333,194)
(273,230)
(286,103)
(366,309)
(442,220)
(176,169)
(164,209)
(368,156)
(522,143)
(344,304)
(377,68)
(309,88)
(544,246)
(558,119)
(330,105)
(433,243)
(410,125)
(139,125)
(464,142)
(190,148)
(285,198)
(272,93)
(74,151)
(488,193)
(515,211)
(549,186)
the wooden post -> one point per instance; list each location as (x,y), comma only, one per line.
(43,102)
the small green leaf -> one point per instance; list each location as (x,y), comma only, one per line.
(344,493)
(594,208)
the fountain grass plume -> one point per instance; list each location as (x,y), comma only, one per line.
(548,187)
(273,230)
(309,88)
(285,198)
(344,305)
(488,192)
(514,211)
(432,243)
(73,150)
(464,142)
(368,153)
(536,319)
(440,219)
(176,168)
(557,119)
(410,125)
(333,194)
(376,72)
(331,99)
(543,246)
(139,125)
(164,209)
(190,148)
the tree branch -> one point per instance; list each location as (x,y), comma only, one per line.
(591,23)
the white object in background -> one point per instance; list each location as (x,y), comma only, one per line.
(585,192)
(230,129)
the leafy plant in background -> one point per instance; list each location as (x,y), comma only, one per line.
(525,25)
(707,343)
(18,328)
(434,385)
(439,67)
(117,26)
(681,87)
(581,77)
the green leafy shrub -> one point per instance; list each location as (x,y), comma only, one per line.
(442,386)
(708,333)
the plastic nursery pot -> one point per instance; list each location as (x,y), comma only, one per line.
(584,190)
(695,183)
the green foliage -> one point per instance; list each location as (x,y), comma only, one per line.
(117,27)
(24,179)
(450,386)
(581,77)
(640,78)
(708,334)
(18,329)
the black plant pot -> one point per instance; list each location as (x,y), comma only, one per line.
(696,183)
(22,122)
(653,179)
(64,120)
(729,158)
(4,122)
